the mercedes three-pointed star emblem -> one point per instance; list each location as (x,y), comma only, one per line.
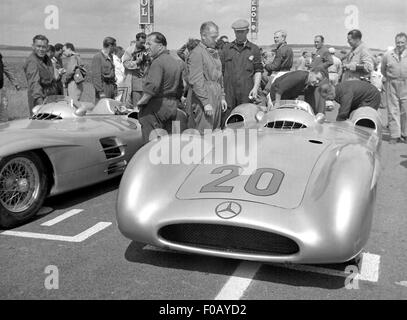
(228,209)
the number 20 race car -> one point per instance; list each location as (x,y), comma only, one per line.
(60,148)
(310,198)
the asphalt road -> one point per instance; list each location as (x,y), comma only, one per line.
(102,264)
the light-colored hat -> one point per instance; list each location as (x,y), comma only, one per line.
(331,50)
(241,24)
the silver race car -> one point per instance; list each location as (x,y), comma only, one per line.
(309,199)
(63,146)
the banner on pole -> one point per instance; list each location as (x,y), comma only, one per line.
(146,11)
(254,16)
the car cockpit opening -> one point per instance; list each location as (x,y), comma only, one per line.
(235,118)
(366,123)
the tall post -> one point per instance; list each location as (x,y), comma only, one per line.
(254,19)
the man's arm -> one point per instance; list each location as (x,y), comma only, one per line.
(96,68)
(181,52)
(339,70)
(196,76)
(345,102)
(327,60)
(256,86)
(284,84)
(367,61)
(128,61)
(33,80)
(258,70)
(277,101)
(9,72)
(222,54)
(383,67)
(276,64)
(72,63)
(152,83)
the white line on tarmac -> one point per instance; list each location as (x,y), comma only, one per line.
(78,238)
(239,281)
(62,217)
(91,231)
(402,283)
(368,267)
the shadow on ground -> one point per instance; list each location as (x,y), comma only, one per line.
(213,265)
(404,163)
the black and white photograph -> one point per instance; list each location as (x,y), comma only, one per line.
(203,154)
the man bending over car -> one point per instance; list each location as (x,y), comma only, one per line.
(295,83)
(351,95)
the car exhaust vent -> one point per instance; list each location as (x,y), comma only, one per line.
(285,125)
(229,239)
(46,116)
(111,148)
(116,167)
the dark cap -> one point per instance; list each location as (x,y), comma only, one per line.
(240,24)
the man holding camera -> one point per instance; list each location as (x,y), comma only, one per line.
(103,75)
(135,60)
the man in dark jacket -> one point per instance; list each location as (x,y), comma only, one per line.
(322,58)
(351,95)
(283,60)
(40,73)
(242,68)
(5,69)
(295,83)
(135,61)
(103,74)
(162,89)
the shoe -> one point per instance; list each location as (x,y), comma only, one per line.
(402,140)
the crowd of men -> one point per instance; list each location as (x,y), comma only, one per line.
(213,76)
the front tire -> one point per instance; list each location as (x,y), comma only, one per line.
(23,188)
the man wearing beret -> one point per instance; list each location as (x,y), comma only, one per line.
(242,68)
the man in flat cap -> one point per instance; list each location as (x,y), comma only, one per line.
(242,68)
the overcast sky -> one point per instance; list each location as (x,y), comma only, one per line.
(86,22)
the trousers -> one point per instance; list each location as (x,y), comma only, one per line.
(396,92)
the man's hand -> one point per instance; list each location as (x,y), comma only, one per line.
(350,66)
(102,95)
(253,94)
(224,105)
(208,110)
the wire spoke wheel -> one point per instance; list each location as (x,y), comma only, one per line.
(19,184)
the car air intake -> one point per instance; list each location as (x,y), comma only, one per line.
(285,125)
(111,147)
(228,238)
(46,116)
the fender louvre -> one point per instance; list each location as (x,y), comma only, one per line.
(111,147)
